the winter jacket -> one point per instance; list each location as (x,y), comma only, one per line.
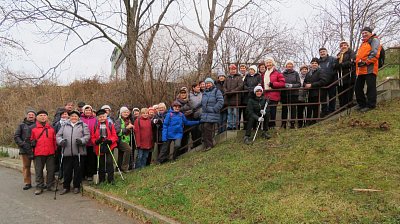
(173,125)
(369,52)
(71,133)
(220,86)
(291,77)
(124,134)
(317,79)
(22,137)
(59,124)
(327,67)
(90,121)
(255,105)
(144,133)
(195,104)
(185,108)
(158,122)
(111,135)
(233,83)
(278,81)
(45,138)
(212,103)
(250,81)
(57,115)
(346,69)
(303,92)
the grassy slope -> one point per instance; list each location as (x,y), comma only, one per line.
(302,175)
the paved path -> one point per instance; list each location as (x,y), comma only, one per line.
(19,206)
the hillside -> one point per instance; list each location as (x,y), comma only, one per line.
(305,175)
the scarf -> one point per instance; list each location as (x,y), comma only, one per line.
(267,79)
(103,130)
(341,55)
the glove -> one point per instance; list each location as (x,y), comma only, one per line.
(262,112)
(63,143)
(288,85)
(107,142)
(79,141)
(33,143)
(99,141)
(260,119)
(271,85)
(361,64)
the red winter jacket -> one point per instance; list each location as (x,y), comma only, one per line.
(144,133)
(111,134)
(278,81)
(46,142)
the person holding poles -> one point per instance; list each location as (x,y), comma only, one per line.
(73,137)
(105,138)
(124,129)
(257,111)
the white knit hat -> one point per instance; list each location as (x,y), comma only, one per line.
(270,59)
(258,88)
(254,67)
(87,106)
(123,109)
(105,107)
(289,62)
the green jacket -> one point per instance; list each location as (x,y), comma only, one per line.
(124,134)
(255,105)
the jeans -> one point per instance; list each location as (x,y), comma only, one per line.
(222,121)
(165,150)
(141,158)
(232,117)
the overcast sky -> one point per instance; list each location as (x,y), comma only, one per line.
(94,58)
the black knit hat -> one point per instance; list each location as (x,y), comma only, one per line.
(100,112)
(367,29)
(314,60)
(42,112)
(74,112)
(81,104)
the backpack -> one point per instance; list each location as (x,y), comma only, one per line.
(381,59)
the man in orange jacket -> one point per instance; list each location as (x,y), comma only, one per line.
(367,70)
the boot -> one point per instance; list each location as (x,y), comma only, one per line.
(76,190)
(265,135)
(27,187)
(283,125)
(64,191)
(38,191)
(292,125)
(246,140)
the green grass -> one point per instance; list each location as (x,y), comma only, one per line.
(389,71)
(4,154)
(305,175)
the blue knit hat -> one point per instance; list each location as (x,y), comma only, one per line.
(209,80)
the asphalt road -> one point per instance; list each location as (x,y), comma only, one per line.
(19,206)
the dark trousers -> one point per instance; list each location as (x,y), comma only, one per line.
(40,162)
(347,92)
(254,122)
(58,160)
(90,163)
(312,110)
(165,150)
(301,111)
(196,134)
(184,142)
(106,166)
(368,100)
(329,99)
(208,134)
(222,121)
(272,105)
(71,168)
(289,99)
(124,154)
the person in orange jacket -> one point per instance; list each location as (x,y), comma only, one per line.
(104,138)
(367,70)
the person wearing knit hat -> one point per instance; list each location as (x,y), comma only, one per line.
(232,85)
(183,99)
(326,63)
(124,130)
(42,112)
(209,80)
(101,112)
(22,139)
(304,66)
(368,60)
(80,106)
(272,79)
(292,80)
(151,111)
(345,73)
(43,142)
(107,108)
(90,160)
(251,80)
(315,80)
(256,113)
(136,113)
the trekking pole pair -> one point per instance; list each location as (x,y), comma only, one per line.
(98,164)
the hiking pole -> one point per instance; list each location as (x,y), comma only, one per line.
(96,177)
(262,115)
(112,155)
(79,170)
(59,173)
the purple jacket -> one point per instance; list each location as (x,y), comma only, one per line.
(90,121)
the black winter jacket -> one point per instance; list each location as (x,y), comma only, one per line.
(347,66)
(291,77)
(249,83)
(327,68)
(317,79)
(255,105)
(22,137)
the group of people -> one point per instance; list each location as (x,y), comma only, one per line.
(81,143)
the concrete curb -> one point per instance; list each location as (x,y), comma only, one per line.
(127,206)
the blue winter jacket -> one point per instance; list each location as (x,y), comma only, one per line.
(173,125)
(212,103)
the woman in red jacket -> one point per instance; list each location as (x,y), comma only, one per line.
(104,139)
(144,137)
(272,79)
